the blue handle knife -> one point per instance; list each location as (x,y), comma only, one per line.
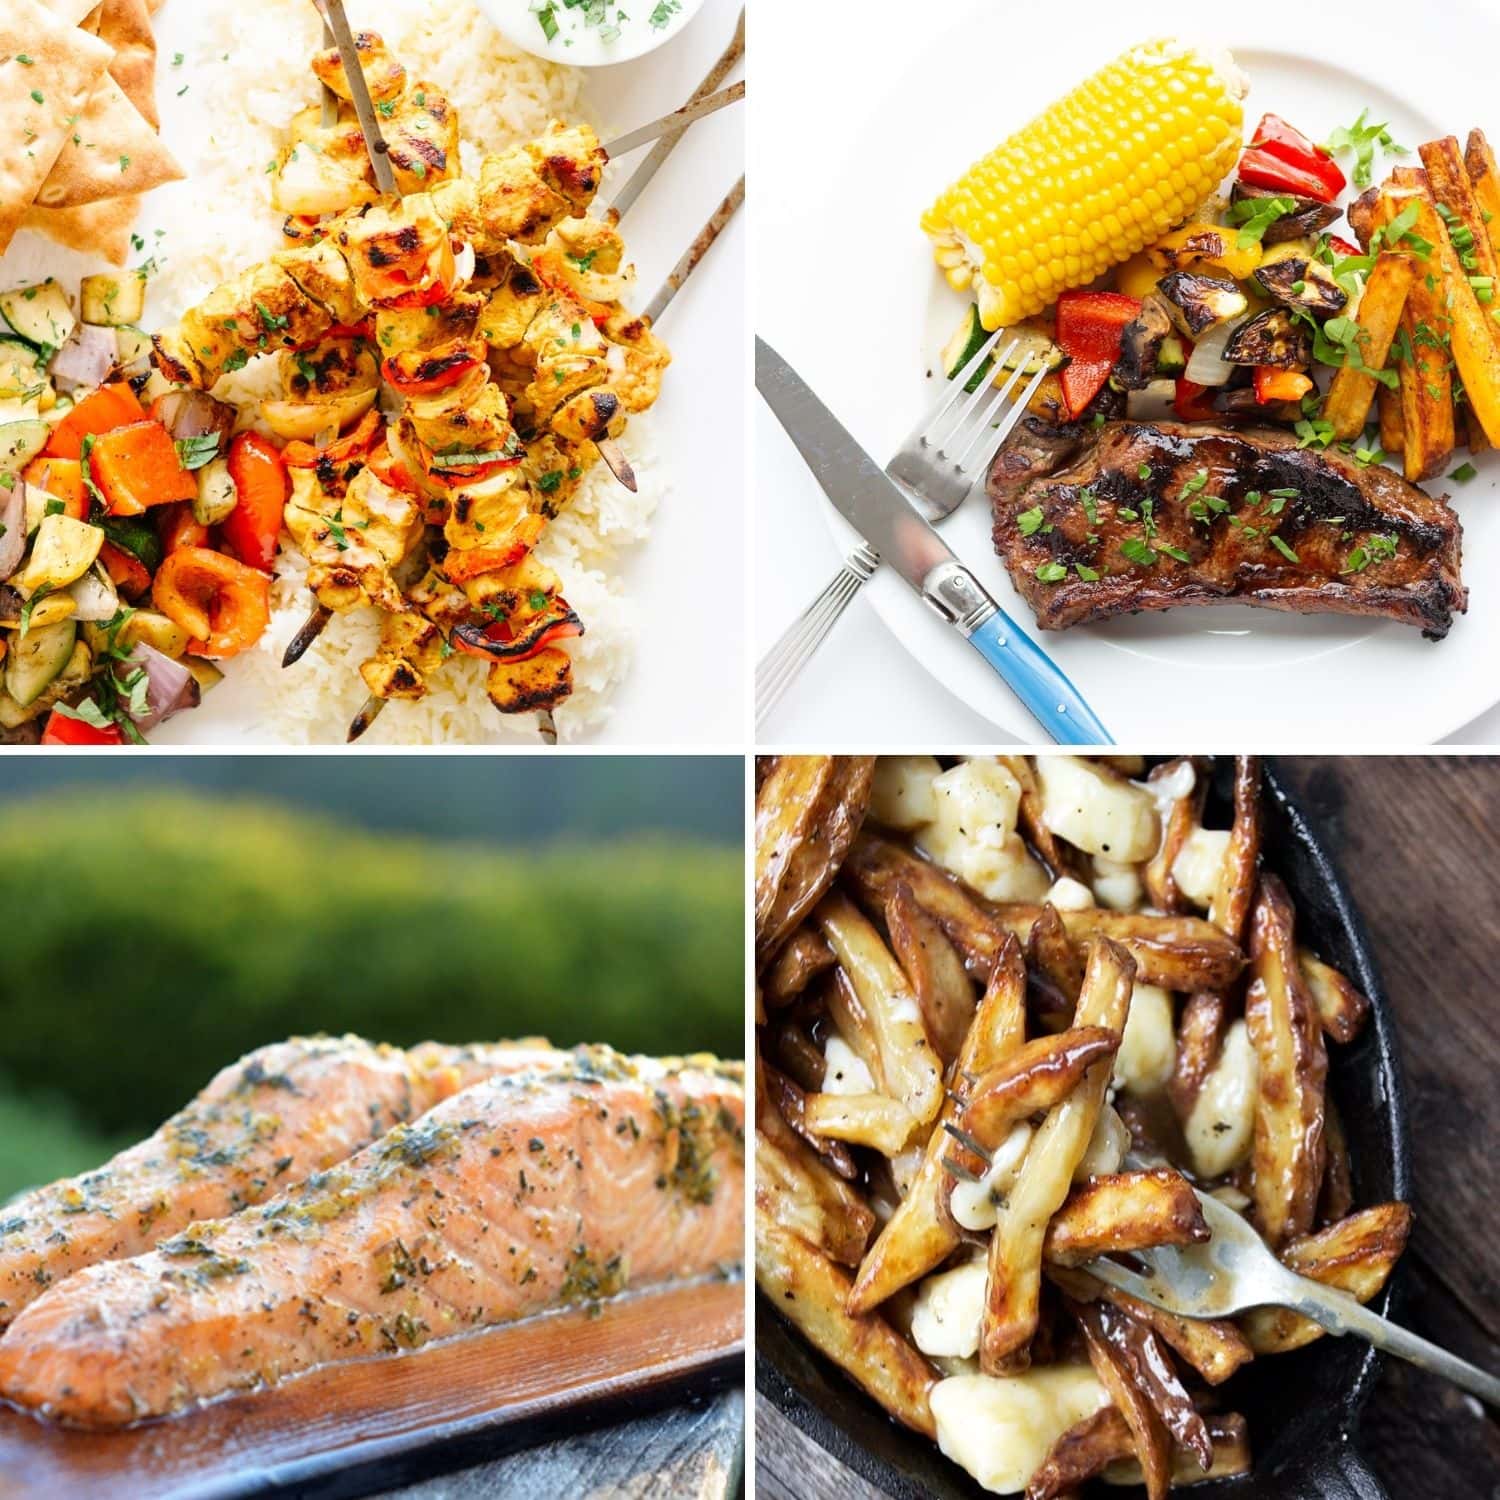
(876,507)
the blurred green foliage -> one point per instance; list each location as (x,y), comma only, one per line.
(148,940)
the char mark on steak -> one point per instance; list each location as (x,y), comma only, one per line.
(1094,521)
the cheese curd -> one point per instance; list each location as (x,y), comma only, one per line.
(975,1205)
(1117,886)
(1198,864)
(902,795)
(1105,1152)
(1097,811)
(844,1070)
(1001,1429)
(973,832)
(948,1310)
(1148,1050)
(1221,1125)
(1067,894)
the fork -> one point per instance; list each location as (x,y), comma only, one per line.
(1236,1270)
(941,460)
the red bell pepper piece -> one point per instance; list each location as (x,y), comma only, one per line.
(63,729)
(1275,138)
(1337,242)
(1272,384)
(1193,402)
(253,527)
(1260,169)
(177,526)
(126,571)
(1082,380)
(1089,324)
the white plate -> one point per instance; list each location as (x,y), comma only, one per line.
(697,426)
(847,291)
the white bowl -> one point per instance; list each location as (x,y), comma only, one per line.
(579,44)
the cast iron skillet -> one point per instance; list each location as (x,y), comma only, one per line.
(1303,1408)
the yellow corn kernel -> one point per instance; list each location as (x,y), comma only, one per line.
(1094,179)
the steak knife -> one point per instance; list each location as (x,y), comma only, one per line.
(900,535)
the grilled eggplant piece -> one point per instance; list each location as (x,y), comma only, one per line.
(1349,539)
(1298,283)
(1195,303)
(1141,343)
(1271,338)
(1309,217)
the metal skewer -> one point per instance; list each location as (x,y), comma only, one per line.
(695,252)
(334,18)
(635,184)
(674,124)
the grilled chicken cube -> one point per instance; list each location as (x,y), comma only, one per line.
(487,513)
(555,468)
(411,649)
(399,330)
(590,416)
(570,160)
(353,540)
(637,379)
(571,355)
(325,169)
(527,190)
(396,250)
(541,682)
(323,274)
(510,310)
(383,72)
(330,370)
(422,136)
(261,310)
(481,426)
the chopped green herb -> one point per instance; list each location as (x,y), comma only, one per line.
(1464,473)
(1030,521)
(1362,139)
(1176,552)
(1143,473)
(1256,215)
(1051,572)
(1088,574)
(1136,551)
(1283,548)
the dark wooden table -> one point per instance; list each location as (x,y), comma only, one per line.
(1418,842)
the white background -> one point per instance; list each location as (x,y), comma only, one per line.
(863,686)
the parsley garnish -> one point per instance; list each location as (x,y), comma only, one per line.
(1051,572)
(197,452)
(1362,139)
(1136,551)
(1256,215)
(1030,521)
(1283,548)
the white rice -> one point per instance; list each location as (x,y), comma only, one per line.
(220,220)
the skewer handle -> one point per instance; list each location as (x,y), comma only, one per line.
(695,252)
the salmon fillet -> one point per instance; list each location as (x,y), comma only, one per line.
(520,1194)
(263,1124)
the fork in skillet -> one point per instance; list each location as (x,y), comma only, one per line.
(1236,1270)
(940,462)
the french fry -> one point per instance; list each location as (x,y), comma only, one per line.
(1337,1196)
(1449,185)
(1352,390)
(918,1236)
(909,1069)
(1149,1437)
(1046,1175)
(1214,1347)
(806,816)
(802,958)
(791,1101)
(811,1291)
(1235,892)
(1288,1154)
(1059,856)
(1426,384)
(1231,1442)
(1185,816)
(1035,1077)
(936,972)
(1392,430)
(1474,351)
(1484,182)
(873,1120)
(1054,968)
(1355,1255)
(1083,1451)
(1342,1009)
(1200,1031)
(802,1192)
(852,1022)
(796,1054)
(1125,1211)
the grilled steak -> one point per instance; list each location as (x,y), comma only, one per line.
(1093,522)
(260,1126)
(521,1193)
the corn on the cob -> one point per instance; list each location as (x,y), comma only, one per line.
(1096,177)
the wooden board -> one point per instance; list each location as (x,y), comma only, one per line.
(347,1429)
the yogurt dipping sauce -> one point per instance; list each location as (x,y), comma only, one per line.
(589,33)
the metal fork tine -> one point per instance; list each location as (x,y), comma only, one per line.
(1115,1275)
(963,442)
(958,382)
(967,1141)
(1002,429)
(981,391)
(959,1170)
